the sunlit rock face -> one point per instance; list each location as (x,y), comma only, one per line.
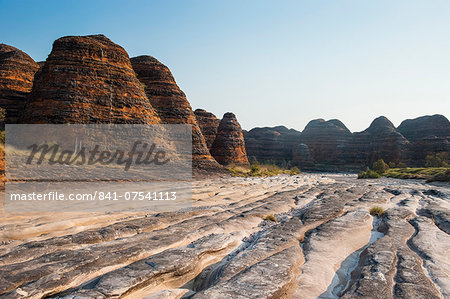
(172,105)
(17,71)
(229,145)
(88,79)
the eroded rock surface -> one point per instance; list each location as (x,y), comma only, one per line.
(229,145)
(380,141)
(88,79)
(271,145)
(428,135)
(320,242)
(329,145)
(171,104)
(208,124)
(325,141)
(17,71)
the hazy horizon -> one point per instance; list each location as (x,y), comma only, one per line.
(270,63)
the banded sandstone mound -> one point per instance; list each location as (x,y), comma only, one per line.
(380,141)
(88,79)
(17,71)
(325,141)
(229,145)
(171,104)
(209,124)
(428,134)
(271,145)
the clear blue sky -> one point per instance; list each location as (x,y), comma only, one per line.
(270,62)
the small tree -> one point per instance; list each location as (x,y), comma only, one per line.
(380,166)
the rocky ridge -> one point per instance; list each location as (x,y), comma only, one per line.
(329,145)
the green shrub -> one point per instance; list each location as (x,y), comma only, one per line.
(254,169)
(391,165)
(257,170)
(368,174)
(380,166)
(270,217)
(294,170)
(437,160)
(376,211)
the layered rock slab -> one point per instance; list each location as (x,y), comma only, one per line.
(325,251)
(17,71)
(88,79)
(229,145)
(389,268)
(171,104)
(317,220)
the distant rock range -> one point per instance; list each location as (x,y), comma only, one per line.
(329,145)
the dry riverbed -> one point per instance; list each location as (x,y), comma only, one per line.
(323,244)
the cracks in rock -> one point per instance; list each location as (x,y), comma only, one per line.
(346,274)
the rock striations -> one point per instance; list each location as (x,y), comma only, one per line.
(208,124)
(17,71)
(380,141)
(428,135)
(88,79)
(171,104)
(325,141)
(329,145)
(229,145)
(271,145)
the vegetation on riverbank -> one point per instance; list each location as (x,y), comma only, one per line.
(437,169)
(428,173)
(368,174)
(257,170)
